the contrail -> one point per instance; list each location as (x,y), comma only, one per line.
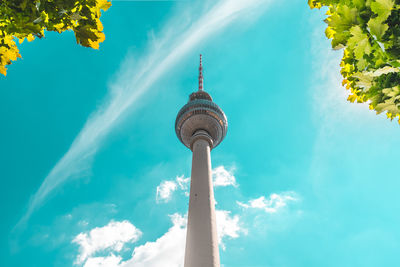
(176,42)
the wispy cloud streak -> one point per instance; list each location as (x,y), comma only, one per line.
(177,40)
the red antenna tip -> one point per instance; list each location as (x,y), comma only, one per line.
(201,75)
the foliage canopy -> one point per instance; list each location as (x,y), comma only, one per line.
(28,19)
(369,32)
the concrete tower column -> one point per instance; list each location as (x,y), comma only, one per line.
(201,125)
(201,239)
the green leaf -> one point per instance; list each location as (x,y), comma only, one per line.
(359,42)
(369,32)
(364,79)
(382,8)
(343,19)
(28,19)
(362,64)
(359,3)
(377,28)
(384,70)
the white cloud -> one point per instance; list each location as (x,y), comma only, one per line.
(227,226)
(183,182)
(222,177)
(271,204)
(83,223)
(112,237)
(180,36)
(168,250)
(108,261)
(165,190)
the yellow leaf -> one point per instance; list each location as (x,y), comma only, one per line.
(352,98)
(10,55)
(30,37)
(3,70)
(361,99)
(103,4)
(101,37)
(59,27)
(330,32)
(348,67)
(92,44)
(95,44)
(44,16)
(99,25)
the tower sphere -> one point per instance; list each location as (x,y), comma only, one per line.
(201,113)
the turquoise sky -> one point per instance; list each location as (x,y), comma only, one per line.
(93,175)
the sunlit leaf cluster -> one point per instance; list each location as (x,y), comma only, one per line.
(29,19)
(369,32)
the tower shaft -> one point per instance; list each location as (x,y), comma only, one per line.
(201,125)
(201,239)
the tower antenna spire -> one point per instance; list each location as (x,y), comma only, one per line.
(201,75)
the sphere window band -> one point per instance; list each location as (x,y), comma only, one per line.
(200,103)
(201,110)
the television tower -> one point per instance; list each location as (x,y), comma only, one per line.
(201,125)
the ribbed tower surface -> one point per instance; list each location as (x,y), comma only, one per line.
(201,125)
